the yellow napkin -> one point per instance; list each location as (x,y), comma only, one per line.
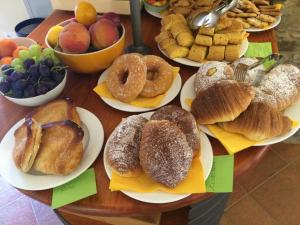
(193,183)
(102,90)
(232,142)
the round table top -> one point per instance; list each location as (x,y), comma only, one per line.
(80,88)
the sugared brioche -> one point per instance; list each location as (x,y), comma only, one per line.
(27,141)
(123,146)
(165,154)
(259,122)
(224,101)
(184,120)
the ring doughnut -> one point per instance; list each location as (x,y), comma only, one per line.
(159,76)
(127,77)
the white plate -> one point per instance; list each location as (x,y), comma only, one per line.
(188,62)
(275,24)
(93,141)
(155,14)
(163,197)
(292,112)
(170,95)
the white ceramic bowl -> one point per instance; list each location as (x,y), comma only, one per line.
(40,99)
(23,41)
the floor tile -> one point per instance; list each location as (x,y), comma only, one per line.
(44,214)
(18,212)
(269,165)
(289,152)
(280,196)
(248,212)
(237,194)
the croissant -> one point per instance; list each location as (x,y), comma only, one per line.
(259,122)
(224,101)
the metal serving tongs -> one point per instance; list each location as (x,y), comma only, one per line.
(210,19)
(241,69)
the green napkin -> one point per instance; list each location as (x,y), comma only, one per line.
(79,188)
(221,176)
(259,49)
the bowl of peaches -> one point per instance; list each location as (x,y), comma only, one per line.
(87,43)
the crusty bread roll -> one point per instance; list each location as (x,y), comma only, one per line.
(27,141)
(184,120)
(57,110)
(123,146)
(259,122)
(280,87)
(224,101)
(165,154)
(61,148)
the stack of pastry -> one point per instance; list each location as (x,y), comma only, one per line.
(254,112)
(162,147)
(218,43)
(255,13)
(50,139)
(133,75)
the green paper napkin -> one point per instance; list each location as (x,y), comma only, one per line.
(221,176)
(259,49)
(79,188)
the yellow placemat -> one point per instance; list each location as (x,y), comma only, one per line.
(193,183)
(232,142)
(102,90)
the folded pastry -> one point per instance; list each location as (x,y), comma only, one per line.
(124,145)
(197,53)
(223,23)
(257,23)
(162,36)
(259,122)
(185,39)
(252,15)
(236,26)
(236,38)
(232,52)
(220,39)
(164,44)
(184,120)
(244,23)
(280,87)
(179,28)
(270,13)
(216,53)
(224,101)
(165,154)
(27,141)
(210,73)
(61,148)
(266,18)
(172,19)
(203,40)
(61,109)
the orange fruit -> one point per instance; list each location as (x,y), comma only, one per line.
(85,13)
(17,50)
(6,60)
(7,47)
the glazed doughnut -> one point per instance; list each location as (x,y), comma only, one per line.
(184,120)
(126,77)
(123,146)
(210,73)
(159,82)
(165,154)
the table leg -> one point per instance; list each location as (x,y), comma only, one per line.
(208,212)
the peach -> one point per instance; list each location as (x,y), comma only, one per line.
(7,47)
(74,38)
(16,51)
(104,33)
(6,60)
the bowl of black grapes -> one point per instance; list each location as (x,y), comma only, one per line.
(34,78)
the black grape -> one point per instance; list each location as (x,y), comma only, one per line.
(58,77)
(20,84)
(16,76)
(34,71)
(49,83)
(49,62)
(33,80)
(4,86)
(44,70)
(41,89)
(28,63)
(7,69)
(29,91)
(17,93)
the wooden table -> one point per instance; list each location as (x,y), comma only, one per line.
(80,88)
